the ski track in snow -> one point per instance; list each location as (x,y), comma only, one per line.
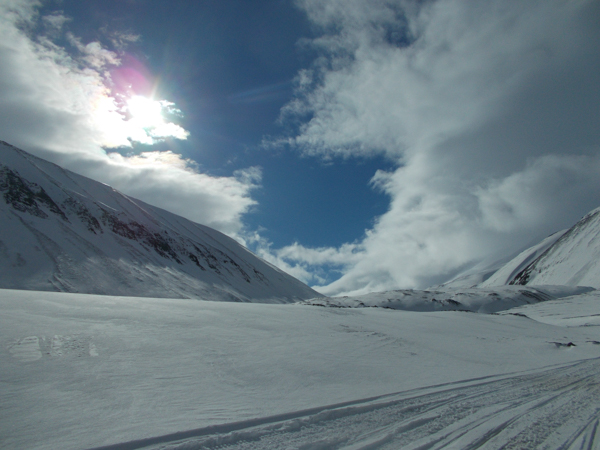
(557,408)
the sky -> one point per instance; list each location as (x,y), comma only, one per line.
(360,145)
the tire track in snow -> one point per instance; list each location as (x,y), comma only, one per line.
(551,408)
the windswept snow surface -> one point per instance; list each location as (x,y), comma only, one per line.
(552,408)
(576,311)
(478,300)
(60,231)
(88,371)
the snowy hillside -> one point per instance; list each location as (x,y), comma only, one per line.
(479,300)
(568,257)
(508,271)
(571,257)
(500,272)
(60,231)
(574,259)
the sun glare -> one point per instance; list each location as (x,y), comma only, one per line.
(137,119)
(145,112)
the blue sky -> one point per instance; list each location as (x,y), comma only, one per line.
(360,145)
(230,66)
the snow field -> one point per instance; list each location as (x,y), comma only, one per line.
(85,371)
(543,409)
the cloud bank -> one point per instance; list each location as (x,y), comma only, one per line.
(73,104)
(490,110)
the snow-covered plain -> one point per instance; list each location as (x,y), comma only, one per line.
(88,371)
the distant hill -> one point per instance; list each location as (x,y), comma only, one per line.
(477,300)
(60,231)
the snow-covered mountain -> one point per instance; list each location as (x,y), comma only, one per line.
(570,258)
(499,272)
(60,231)
(506,273)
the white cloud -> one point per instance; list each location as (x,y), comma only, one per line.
(169,181)
(94,54)
(60,105)
(530,197)
(310,265)
(55,21)
(490,109)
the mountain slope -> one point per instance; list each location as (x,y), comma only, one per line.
(570,258)
(505,274)
(60,231)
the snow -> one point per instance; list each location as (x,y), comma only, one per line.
(399,369)
(573,260)
(570,257)
(575,311)
(85,371)
(60,231)
(530,410)
(478,300)
(508,272)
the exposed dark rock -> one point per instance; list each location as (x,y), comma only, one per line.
(84,214)
(24,196)
(538,264)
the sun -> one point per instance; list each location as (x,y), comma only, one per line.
(145,112)
(141,119)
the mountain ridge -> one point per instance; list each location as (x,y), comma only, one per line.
(568,257)
(65,232)
(574,259)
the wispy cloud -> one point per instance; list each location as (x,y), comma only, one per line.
(489,108)
(73,105)
(261,94)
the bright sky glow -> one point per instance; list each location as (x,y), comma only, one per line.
(145,112)
(148,124)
